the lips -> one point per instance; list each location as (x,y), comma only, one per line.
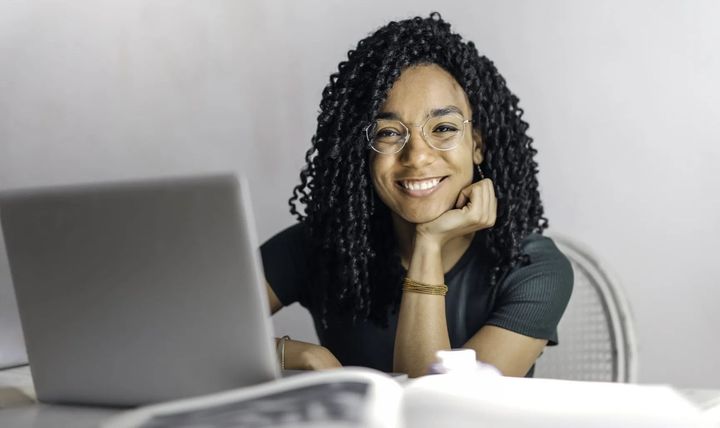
(420,187)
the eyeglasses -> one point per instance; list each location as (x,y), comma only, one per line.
(389,136)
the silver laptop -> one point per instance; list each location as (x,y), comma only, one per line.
(12,346)
(137,292)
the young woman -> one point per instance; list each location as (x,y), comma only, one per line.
(422,220)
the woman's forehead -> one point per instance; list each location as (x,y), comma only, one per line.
(421,89)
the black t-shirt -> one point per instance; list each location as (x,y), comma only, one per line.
(529,300)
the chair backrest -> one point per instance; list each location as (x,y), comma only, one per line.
(596,333)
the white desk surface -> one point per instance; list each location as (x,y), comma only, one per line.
(19,407)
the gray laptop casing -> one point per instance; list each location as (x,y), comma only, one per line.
(12,346)
(139,292)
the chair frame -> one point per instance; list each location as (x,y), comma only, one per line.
(615,305)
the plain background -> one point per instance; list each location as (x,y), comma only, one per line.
(622,97)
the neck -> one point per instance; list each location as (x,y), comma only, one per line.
(452,251)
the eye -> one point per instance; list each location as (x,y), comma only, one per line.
(387,133)
(443,128)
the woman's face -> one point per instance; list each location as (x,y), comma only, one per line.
(420,183)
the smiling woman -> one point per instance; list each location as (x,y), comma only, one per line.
(404,247)
(422,177)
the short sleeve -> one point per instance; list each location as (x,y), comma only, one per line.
(284,258)
(532,298)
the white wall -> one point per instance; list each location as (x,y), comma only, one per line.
(619,96)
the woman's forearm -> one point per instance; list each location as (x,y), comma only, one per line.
(422,326)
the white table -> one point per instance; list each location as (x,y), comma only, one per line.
(19,407)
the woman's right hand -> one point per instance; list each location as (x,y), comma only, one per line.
(308,356)
(475,209)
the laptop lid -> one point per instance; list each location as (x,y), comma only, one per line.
(138,292)
(12,346)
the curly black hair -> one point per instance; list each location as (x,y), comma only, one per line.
(356,263)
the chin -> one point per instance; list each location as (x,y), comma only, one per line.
(425,216)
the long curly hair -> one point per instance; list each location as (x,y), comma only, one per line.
(356,265)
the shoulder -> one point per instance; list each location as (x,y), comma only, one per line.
(532,298)
(548,270)
(295,232)
(285,257)
(541,248)
(289,242)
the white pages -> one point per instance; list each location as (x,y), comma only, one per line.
(350,397)
(356,397)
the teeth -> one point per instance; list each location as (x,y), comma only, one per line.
(420,185)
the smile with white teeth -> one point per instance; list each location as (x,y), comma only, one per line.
(420,184)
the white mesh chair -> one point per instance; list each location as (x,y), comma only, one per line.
(596,334)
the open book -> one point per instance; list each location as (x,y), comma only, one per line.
(356,397)
(351,397)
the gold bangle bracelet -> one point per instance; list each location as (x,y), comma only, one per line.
(418,287)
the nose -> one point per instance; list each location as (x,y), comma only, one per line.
(417,153)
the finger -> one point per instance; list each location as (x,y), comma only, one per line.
(461,200)
(463,197)
(485,214)
(489,195)
(477,204)
(491,204)
(481,203)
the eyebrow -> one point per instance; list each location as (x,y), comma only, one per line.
(445,110)
(433,113)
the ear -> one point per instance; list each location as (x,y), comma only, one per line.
(478,147)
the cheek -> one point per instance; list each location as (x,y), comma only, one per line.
(378,168)
(469,173)
(467,166)
(460,166)
(378,173)
(374,173)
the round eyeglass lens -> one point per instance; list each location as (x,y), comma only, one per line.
(387,136)
(444,132)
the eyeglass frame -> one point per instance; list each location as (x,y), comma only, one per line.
(407,134)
